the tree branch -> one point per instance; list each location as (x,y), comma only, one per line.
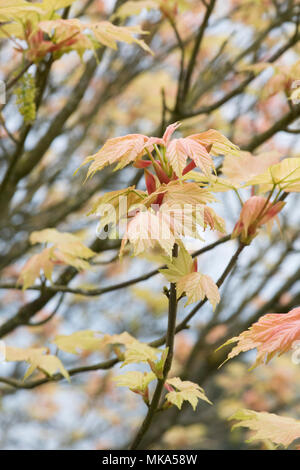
(167,366)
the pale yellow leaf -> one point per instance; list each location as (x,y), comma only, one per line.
(286,175)
(35,266)
(135,380)
(84,340)
(65,242)
(137,352)
(246,166)
(134,8)
(185,391)
(197,286)
(36,359)
(280,430)
(123,338)
(179,267)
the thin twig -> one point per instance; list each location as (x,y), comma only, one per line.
(197,46)
(104,290)
(111,362)
(167,366)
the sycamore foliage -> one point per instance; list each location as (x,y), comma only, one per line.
(84,340)
(181,391)
(173,207)
(180,178)
(87,340)
(256,212)
(180,186)
(273,334)
(194,285)
(136,381)
(24,21)
(131,351)
(173,152)
(37,359)
(280,430)
(285,176)
(247,166)
(61,249)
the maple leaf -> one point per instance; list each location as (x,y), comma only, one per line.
(256,212)
(108,34)
(280,430)
(179,267)
(132,147)
(146,230)
(67,249)
(41,262)
(285,175)
(122,338)
(137,352)
(65,258)
(197,147)
(47,363)
(197,286)
(84,340)
(214,221)
(273,334)
(124,150)
(162,227)
(16,8)
(115,205)
(179,150)
(24,18)
(219,144)
(135,381)
(246,166)
(36,358)
(103,32)
(186,391)
(177,193)
(65,242)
